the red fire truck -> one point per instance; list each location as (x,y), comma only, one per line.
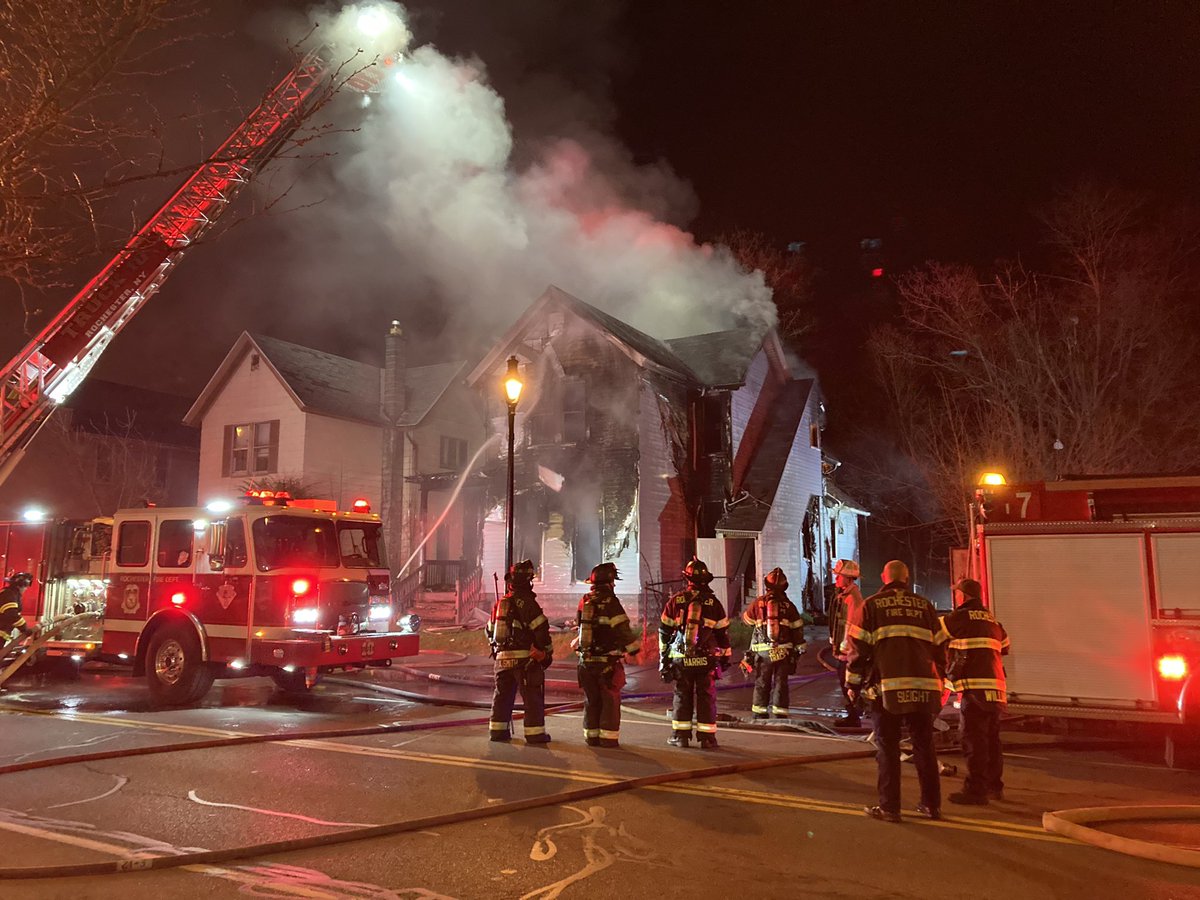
(1097,581)
(279,587)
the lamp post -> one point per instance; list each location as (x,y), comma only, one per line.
(512,393)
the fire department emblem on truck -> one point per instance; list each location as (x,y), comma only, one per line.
(226,594)
(132,601)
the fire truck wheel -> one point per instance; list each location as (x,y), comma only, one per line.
(176,674)
(297,682)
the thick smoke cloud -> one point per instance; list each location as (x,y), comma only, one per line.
(432,166)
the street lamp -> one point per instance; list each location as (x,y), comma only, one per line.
(512,393)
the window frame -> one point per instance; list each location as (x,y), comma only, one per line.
(189,529)
(254,450)
(119,547)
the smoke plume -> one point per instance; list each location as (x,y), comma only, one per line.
(432,167)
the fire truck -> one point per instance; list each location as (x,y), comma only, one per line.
(1097,581)
(280,587)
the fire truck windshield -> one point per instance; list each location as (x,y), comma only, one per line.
(361,545)
(293,541)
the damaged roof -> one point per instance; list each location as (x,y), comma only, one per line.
(761,482)
(331,385)
(719,358)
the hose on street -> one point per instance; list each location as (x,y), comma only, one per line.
(1079,825)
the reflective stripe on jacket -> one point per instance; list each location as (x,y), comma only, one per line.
(976,641)
(777,623)
(899,649)
(517,625)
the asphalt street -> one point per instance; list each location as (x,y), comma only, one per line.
(771,833)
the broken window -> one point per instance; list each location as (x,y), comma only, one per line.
(712,425)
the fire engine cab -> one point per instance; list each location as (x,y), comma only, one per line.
(1097,581)
(279,587)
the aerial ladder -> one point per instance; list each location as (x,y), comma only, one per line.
(58,359)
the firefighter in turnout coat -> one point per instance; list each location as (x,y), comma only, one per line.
(898,659)
(11,618)
(976,642)
(603,640)
(693,642)
(776,642)
(845,610)
(520,639)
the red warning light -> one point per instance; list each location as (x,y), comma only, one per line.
(877,272)
(300,586)
(1172,668)
(179,598)
(361,505)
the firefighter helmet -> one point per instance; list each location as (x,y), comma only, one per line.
(847,567)
(522,571)
(605,573)
(20,580)
(697,572)
(776,580)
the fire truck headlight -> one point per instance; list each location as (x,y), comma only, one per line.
(380,613)
(410,623)
(306,616)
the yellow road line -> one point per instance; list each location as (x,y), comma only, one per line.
(787,801)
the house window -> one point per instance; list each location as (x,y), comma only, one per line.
(453,454)
(711,425)
(133,543)
(574,411)
(251,449)
(254,361)
(814,435)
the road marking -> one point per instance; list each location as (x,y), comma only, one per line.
(786,801)
(122,780)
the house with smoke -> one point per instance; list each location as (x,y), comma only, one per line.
(108,446)
(641,451)
(278,414)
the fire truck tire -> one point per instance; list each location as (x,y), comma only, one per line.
(297,682)
(175,671)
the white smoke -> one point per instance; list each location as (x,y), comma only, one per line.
(435,155)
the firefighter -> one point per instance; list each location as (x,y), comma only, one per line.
(977,641)
(693,642)
(11,618)
(898,659)
(520,639)
(845,608)
(603,640)
(776,642)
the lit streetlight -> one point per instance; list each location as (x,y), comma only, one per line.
(512,393)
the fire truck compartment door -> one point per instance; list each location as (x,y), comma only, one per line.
(1077,612)
(1177,572)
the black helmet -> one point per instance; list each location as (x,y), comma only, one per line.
(605,573)
(522,571)
(776,580)
(697,572)
(20,580)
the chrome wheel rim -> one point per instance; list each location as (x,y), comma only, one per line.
(169,661)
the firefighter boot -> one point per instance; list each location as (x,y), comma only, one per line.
(709,742)
(680,739)
(539,738)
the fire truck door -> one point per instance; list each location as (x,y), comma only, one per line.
(128,599)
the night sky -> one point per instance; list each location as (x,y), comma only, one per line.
(936,126)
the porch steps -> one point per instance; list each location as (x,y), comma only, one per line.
(437,607)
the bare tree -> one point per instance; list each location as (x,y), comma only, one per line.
(1086,368)
(107,460)
(787,273)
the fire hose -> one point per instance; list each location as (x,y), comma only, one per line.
(351,835)
(33,646)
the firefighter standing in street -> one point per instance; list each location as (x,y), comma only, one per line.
(897,657)
(776,642)
(846,609)
(693,642)
(603,640)
(11,618)
(520,639)
(977,641)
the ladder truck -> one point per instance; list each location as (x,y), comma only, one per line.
(58,359)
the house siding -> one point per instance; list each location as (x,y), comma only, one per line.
(249,396)
(341,459)
(743,400)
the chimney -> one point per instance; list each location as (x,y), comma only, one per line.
(394,401)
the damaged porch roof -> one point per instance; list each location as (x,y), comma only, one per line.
(761,482)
